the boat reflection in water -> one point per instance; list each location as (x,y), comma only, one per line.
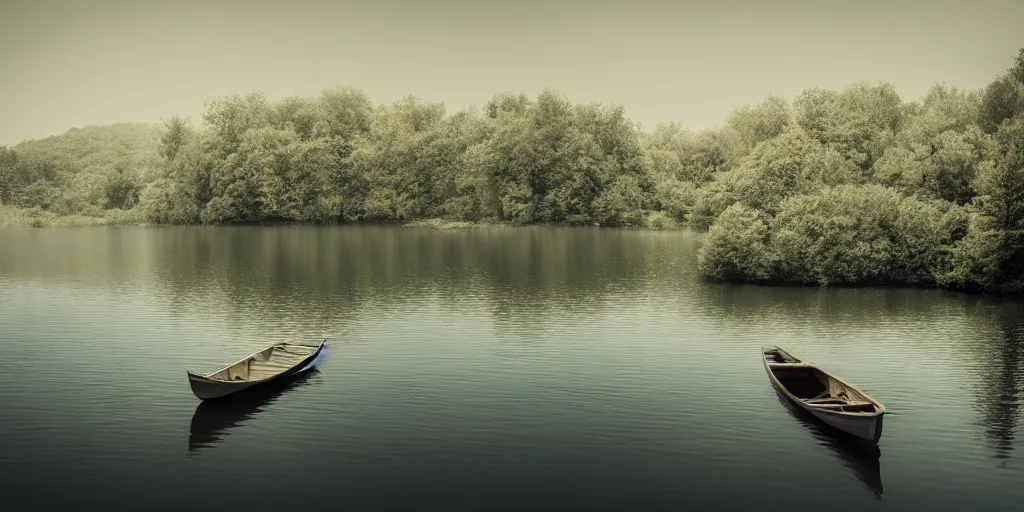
(860,456)
(213,419)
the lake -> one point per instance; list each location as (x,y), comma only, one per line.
(493,368)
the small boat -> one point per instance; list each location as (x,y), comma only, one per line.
(825,396)
(278,361)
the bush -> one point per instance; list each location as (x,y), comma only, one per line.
(676,198)
(659,220)
(975,260)
(854,234)
(736,247)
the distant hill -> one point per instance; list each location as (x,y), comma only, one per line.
(86,169)
(88,142)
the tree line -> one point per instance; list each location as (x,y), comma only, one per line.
(835,187)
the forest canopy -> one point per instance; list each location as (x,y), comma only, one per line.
(836,187)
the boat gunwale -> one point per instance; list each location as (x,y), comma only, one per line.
(805,364)
(304,360)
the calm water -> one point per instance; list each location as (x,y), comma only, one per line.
(535,368)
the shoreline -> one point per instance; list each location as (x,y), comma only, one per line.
(16,217)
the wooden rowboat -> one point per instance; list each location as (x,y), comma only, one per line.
(278,361)
(825,396)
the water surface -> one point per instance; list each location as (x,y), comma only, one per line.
(534,368)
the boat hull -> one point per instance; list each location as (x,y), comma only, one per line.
(867,427)
(208,389)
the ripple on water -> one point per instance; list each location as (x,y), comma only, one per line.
(513,367)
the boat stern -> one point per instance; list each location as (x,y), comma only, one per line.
(878,426)
(868,428)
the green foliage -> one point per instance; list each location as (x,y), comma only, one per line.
(507,104)
(84,171)
(229,118)
(177,131)
(161,203)
(790,163)
(401,156)
(181,194)
(976,261)
(659,220)
(836,235)
(943,166)
(942,109)
(762,122)
(989,257)
(935,194)
(859,122)
(41,193)
(676,198)
(847,186)
(697,157)
(714,198)
(736,246)
(550,161)
(1017,71)
(1003,99)
(122,190)
(8,170)
(1001,185)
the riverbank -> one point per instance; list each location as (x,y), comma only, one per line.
(656,221)
(714,265)
(12,216)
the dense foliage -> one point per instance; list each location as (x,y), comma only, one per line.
(861,187)
(850,186)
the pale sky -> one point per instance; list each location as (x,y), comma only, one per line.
(71,63)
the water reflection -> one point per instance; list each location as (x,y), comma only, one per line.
(525,274)
(314,279)
(214,419)
(1002,379)
(861,457)
(824,309)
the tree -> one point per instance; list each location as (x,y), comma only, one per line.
(1001,190)
(943,166)
(1017,71)
(1002,100)
(8,165)
(230,117)
(736,247)
(692,156)
(176,133)
(856,233)
(859,122)
(791,163)
(989,257)
(122,189)
(396,160)
(761,122)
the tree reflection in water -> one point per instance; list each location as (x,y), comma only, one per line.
(1002,380)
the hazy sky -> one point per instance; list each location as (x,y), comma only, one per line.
(81,62)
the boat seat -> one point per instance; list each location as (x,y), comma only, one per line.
(240,373)
(822,400)
(831,402)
